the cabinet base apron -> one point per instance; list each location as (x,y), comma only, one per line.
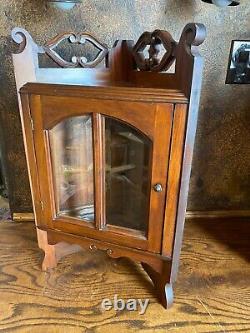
(57,245)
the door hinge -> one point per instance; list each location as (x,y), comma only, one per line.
(32,123)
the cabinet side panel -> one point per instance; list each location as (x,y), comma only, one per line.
(187,158)
(173,184)
(42,162)
(26,120)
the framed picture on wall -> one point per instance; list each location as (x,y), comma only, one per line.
(239,63)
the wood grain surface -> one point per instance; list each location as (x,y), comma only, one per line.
(212,293)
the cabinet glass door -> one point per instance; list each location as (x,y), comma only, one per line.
(71,150)
(102,168)
(127,176)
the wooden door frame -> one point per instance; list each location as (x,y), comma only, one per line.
(163,112)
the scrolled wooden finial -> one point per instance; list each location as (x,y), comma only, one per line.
(23,38)
(193,34)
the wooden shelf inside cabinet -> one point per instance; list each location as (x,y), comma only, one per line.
(109,145)
(121,168)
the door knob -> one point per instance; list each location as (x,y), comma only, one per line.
(158,188)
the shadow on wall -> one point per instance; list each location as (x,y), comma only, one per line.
(223,133)
(180,6)
(27,9)
(29,14)
(33,8)
(233,233)
(12,145)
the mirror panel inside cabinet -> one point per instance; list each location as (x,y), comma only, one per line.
(127,176)
(71,149)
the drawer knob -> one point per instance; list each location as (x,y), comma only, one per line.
(109,252)
(158,188)
(92,247)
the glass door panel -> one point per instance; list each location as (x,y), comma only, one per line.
(72,167)
(127,176)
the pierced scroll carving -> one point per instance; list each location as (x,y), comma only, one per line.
(154,41)
(26,44)
(76,61)
(192,36)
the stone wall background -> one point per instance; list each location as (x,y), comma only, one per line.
(221,166)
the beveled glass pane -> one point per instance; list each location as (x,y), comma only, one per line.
(127,176)
(72,167)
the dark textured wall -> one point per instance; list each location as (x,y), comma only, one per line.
(221,166)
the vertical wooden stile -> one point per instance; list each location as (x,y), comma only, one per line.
(99,169)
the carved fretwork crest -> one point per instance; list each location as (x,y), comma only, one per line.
(192,36)
(154,51)
(154,41)
(82,38)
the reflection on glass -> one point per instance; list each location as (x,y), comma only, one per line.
(128,154)
(72,164)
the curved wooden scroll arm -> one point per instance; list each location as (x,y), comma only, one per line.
(189,62)
(21,37)
(189,66)
(192,36)
(26,59)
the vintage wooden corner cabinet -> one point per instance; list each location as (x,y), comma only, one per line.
(109,139)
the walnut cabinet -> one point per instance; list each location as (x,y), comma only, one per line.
(109,144)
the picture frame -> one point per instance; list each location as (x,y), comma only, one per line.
(238,71)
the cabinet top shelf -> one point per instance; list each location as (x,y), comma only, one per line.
(108,92)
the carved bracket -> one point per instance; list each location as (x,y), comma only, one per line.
(82,61)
